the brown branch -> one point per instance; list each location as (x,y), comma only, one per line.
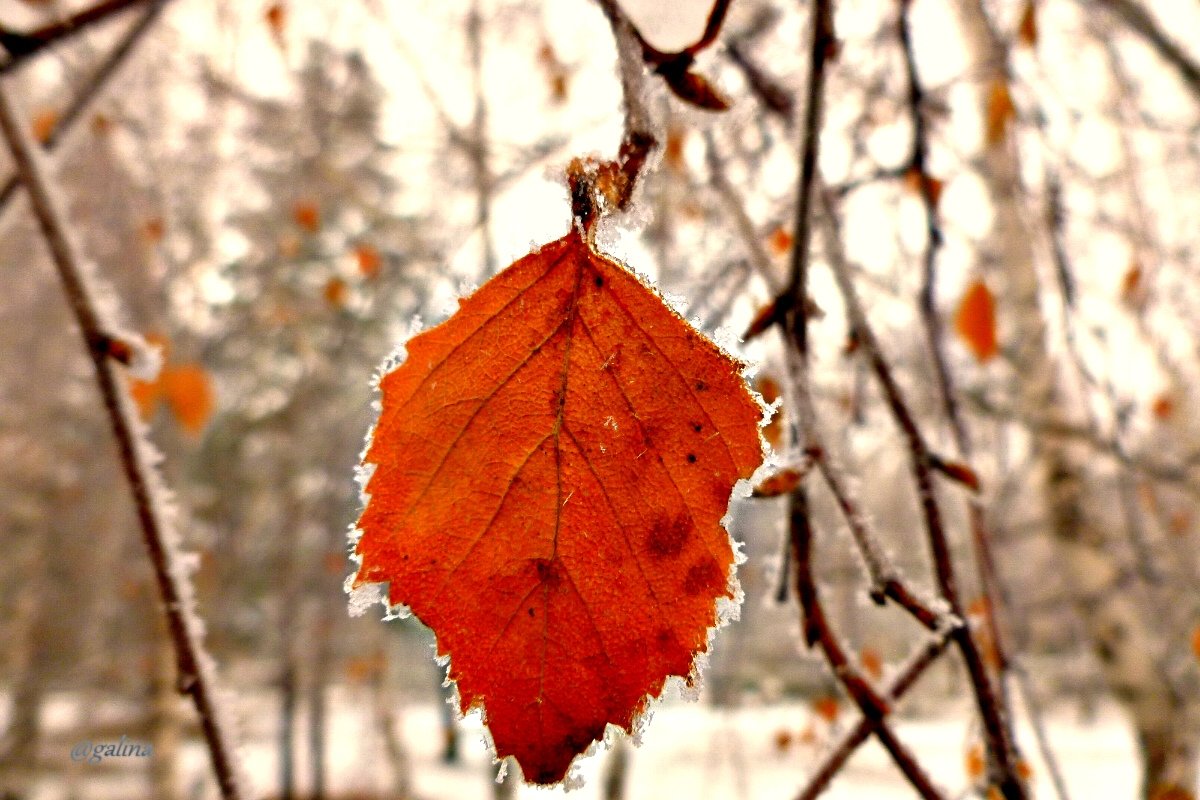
(988,703)
(817,631)
(850,741)
(1140,21)
(91,89)
(21,46)
(194,664)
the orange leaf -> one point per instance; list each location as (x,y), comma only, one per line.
(778,484)
(552,464)
(335,292)
(152,230)
(783,740)
(1196,641)
(307,214)
(189,393)
(43,124)
(1163,407)
(872,663)
(146,394)
(1133,292)
(276,18)
(780,241)
(973,761)
(976,321)
(1027,30)
(674,151)
(369,260)
(1000,111)
(827,708)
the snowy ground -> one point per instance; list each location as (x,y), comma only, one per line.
(688,751)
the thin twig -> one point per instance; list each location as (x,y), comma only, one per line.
(21,46)
(195,668)
(91,88)
(1140,21)
(852,739)
(991,713)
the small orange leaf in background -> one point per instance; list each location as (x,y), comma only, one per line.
(552,464)
(973,762)
(872,663)
(976,321)
(919,183)
(780,241)
(1000,111)
(152,229)
(1196,641)
(783,740)
(276,17)
(307,214)
(369,260)
(43,124)
(779,484)
(1170,792)
(188,391)
(146,394)
(1133,289)
(335,292)
(1027,30)
(1163,407)
(674,149)
(827,708)
(557,74)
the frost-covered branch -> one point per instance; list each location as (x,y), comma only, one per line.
(105,348)
(91,89)
(21,46)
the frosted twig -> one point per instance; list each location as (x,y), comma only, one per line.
(995,599)
(840,753)
(1140,21)
(195,665)
(988,702)
(91,88)
(21,46)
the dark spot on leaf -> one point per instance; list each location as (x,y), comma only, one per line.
(701,386)
(697,427)
(599,281)
(703,577)
(548,571)
(668,537)
(531,612)
(691,458)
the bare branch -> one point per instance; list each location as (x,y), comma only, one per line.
(21,46)
(195,670)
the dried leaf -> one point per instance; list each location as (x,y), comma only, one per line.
(674,150)
(872,663)
(189,393)
(1000,111)
(694,88)
(1196,642)
(764,319)
(827,708)
(335,292)
(276,17)
(779,484)
(307,214)
(956,471)
(976,321)
(1027,30)
(552,464)
(152,229)
(973,762)
(43,124)
(368,259)
(780,241)
(1163,407)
